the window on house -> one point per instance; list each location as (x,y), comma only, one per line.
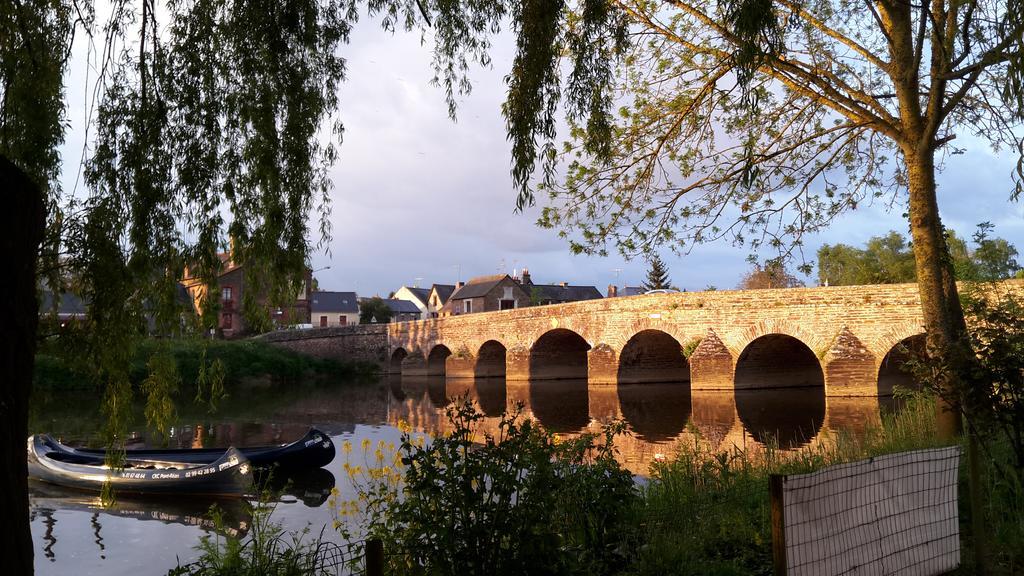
(225,293)
(323,321)
(467,306)
(506,304)
(225,321)
(343,320)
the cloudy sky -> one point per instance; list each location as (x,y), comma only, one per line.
(419,199)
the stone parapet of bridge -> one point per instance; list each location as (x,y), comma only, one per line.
(836,336)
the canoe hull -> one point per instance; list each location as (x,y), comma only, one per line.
(314,450)
(229,475)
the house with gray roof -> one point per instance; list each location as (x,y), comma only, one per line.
(439,295)
(403,310)
(486,294)
(542,294)
(333,308)
(418,296)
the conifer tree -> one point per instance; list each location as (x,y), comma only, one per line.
(657,275)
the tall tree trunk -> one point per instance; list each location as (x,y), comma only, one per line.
(940,302)
(22,221)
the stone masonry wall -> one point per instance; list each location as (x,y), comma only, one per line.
(362,342)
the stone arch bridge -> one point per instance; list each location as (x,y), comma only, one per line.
(846,339)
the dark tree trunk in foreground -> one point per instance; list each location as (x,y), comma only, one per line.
(21,231)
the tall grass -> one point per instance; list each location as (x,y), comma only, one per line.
(707,512)
(267,550)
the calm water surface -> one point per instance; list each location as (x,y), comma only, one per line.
(74,535)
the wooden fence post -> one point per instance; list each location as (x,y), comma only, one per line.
(775,484)
(374,557)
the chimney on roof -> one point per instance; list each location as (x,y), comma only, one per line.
(563,284)
(613,290)
(459,284)
(525,281)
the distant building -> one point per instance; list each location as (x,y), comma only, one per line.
(403,310)
(614,291)
(486,294)
(333,308)
(73,308)
(439,295)
(541,294)
(418,296)
(232,288)
(70,307)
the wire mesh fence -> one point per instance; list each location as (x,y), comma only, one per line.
(893,514)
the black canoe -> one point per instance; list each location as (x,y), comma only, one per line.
(50,461)
(314,450)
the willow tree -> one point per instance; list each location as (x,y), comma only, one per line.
(206,122)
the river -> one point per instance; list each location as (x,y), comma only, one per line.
(73,534)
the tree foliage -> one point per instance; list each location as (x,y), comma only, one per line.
(374,310)
(889,259)
(819,127)
(771,274)
(657,275)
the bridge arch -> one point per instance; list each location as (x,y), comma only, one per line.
(395,362)
(436,360)
(490,360)
(893,371)
(559,354)
(652,356)
(777,361)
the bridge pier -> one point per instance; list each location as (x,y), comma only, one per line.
(711,365)
(415,364)
(850,368)
(602,365)
(460,366)
(517,364)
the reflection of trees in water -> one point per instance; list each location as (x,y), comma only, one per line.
(790,417)
(95,522)
(49,521)
(655,411)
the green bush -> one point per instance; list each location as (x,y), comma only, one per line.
(518,503)
(60,366)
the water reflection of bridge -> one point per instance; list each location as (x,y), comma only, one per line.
(658,415)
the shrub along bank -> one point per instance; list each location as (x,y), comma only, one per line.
(240,362)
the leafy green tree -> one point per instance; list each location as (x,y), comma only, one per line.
(657,275)
(994,258)
(885,259)
(374,310)
(889,259)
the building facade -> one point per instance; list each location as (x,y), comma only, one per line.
(330,309)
